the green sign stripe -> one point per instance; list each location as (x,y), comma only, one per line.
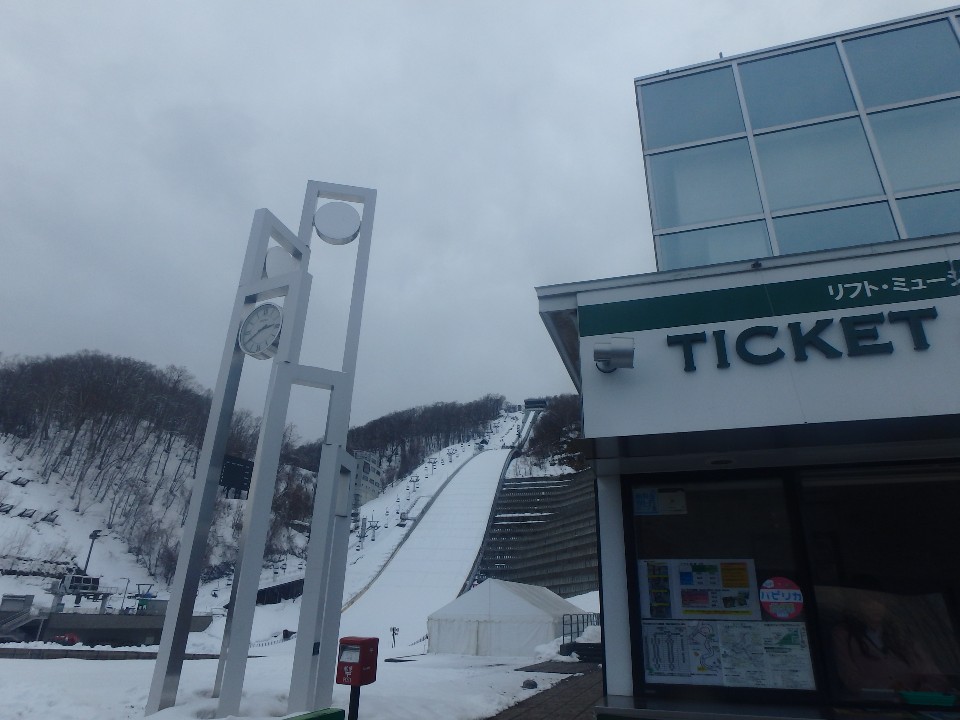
(837,292)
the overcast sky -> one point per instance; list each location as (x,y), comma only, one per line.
(138,139)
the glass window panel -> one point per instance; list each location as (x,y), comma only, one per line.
(931,214)
(920,145)
(728,243)
(905,64)
(817,164)
(706,563)
(794,87)
(700,184)
(898,587)
(690,108)
(843,227)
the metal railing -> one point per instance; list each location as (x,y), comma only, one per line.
(15,621)
(574,625)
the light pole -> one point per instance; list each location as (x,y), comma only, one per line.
(93,538)
(123,599)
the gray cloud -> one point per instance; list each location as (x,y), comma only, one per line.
(137,141)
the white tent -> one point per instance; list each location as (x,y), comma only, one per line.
(498,618)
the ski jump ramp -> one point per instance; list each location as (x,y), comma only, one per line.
(429,569)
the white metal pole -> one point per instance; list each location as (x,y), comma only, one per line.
(313,642)
(124,598)
(312,605)
(330,624)
(256,523)
(186,579)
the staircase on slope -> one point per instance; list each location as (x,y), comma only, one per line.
(543,531)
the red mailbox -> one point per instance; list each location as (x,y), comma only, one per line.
(357,661)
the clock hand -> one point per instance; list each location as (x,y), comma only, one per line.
(266,327)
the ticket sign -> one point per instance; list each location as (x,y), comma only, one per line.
(774,348)
(781,598)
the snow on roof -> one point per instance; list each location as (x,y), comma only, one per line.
(504,600)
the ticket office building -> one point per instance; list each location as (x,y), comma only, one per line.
(774,415)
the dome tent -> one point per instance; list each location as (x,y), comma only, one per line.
(498,618)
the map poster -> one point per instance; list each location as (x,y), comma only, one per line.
(682,652)
(728,653)
(788,655)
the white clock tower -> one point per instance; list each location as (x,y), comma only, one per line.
(275,269)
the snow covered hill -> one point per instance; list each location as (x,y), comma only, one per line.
(412,568)
(30,543)
(396,580)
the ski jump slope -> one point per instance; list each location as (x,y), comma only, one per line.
(429,568)
(402,573)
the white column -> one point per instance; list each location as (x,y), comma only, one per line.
(303,681)
(256,523)
(618,660)
(330,624)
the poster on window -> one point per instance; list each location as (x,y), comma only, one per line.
(659,501)
(728,653)
(699,589)
(682,652)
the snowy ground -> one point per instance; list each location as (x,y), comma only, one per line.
(396,580)
(433,686)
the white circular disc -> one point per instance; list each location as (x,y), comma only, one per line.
(337,223)
(278,262)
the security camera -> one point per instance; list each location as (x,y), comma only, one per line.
(617,353)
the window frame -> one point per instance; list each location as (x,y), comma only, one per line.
(950,15)
(794,482)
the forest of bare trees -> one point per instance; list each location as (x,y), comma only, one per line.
(118,432)
(404,439)
(126,436)
(556,430)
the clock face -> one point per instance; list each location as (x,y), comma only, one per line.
(260,332)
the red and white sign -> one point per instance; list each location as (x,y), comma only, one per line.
(781,598)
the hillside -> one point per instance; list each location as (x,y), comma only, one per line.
(394,581)
(116,441)
(126,469)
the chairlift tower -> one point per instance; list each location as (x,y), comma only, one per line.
(275,268)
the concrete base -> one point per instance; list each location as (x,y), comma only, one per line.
(116,630)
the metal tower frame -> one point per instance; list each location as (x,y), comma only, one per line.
(311,683)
